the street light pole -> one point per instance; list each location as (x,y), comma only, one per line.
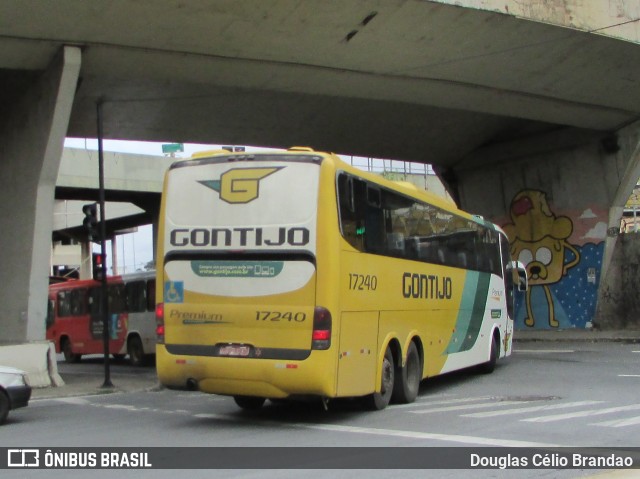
(103,234)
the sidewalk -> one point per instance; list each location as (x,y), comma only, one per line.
(91,384)
(587,335)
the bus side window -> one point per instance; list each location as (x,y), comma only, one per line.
(151,295)
(64,304)
(117,298)
(94,301)
(351,224)
(78,302)
(136,296)
(51,313)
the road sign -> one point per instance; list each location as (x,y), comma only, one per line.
(172,148)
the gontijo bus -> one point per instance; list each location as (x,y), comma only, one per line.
(293,273)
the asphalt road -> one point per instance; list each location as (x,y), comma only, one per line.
(548,394)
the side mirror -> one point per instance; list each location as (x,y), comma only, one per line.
(521,272)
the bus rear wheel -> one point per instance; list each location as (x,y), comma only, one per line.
(249,402)
(136,351)
(407,384)
(377,401)
(69,355)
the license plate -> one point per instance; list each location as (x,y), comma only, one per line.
(236,350)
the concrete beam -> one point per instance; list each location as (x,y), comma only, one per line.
(31,145)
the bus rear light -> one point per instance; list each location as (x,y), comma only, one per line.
(160,323)
(321,336)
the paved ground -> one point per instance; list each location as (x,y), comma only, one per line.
(84,384)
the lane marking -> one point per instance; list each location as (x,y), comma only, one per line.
(629,375)
(531,409)
(77,400)
(596,412)
(469,406)
(485,441)
(618,422)
(444,401)
(211,416)
(544,351)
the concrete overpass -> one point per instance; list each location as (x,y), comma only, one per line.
(502,106)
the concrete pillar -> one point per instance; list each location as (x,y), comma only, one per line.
(628,151)
(31,143)
(555,196)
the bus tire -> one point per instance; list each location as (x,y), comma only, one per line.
(67,350)
(380,400)
(407,383)
(249,402)
(489,366)
(135,351)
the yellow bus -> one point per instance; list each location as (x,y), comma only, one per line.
(292,273)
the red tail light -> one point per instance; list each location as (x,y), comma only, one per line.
(321,336)
(160,323)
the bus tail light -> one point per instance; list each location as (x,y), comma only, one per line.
(321,336)
(160,323)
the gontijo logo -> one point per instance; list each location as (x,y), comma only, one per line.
(240,185)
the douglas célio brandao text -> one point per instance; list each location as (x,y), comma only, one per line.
(542,460)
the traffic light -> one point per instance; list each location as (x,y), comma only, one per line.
(90,221)
(97,266)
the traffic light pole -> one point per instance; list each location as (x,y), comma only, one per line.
(103,247)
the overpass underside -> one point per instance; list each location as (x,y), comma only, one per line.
(518,117)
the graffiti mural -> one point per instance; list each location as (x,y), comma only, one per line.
(563,256)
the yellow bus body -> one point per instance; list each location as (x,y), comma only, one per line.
(259,345)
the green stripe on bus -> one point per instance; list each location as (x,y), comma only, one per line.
(471,313)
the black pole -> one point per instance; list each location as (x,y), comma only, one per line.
(103,233)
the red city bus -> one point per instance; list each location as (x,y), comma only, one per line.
(75,320)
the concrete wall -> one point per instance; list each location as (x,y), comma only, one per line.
(553,199)
(619,304)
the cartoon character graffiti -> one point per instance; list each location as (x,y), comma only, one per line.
(538,238)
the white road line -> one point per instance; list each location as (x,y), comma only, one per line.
(523,410)
(596,412)
(485,441)
(629,375)
(444,401)
(126,407)
(544,351)
(468,406)
(211,416)
(632,421)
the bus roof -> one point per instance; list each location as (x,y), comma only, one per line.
(403,187)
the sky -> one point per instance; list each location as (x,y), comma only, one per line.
(134,250)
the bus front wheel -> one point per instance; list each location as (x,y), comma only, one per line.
(249,402)
(377,401)
(489,366)
(407,384)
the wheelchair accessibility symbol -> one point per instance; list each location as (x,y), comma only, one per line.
(174,292)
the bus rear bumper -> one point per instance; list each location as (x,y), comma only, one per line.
(244,376)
